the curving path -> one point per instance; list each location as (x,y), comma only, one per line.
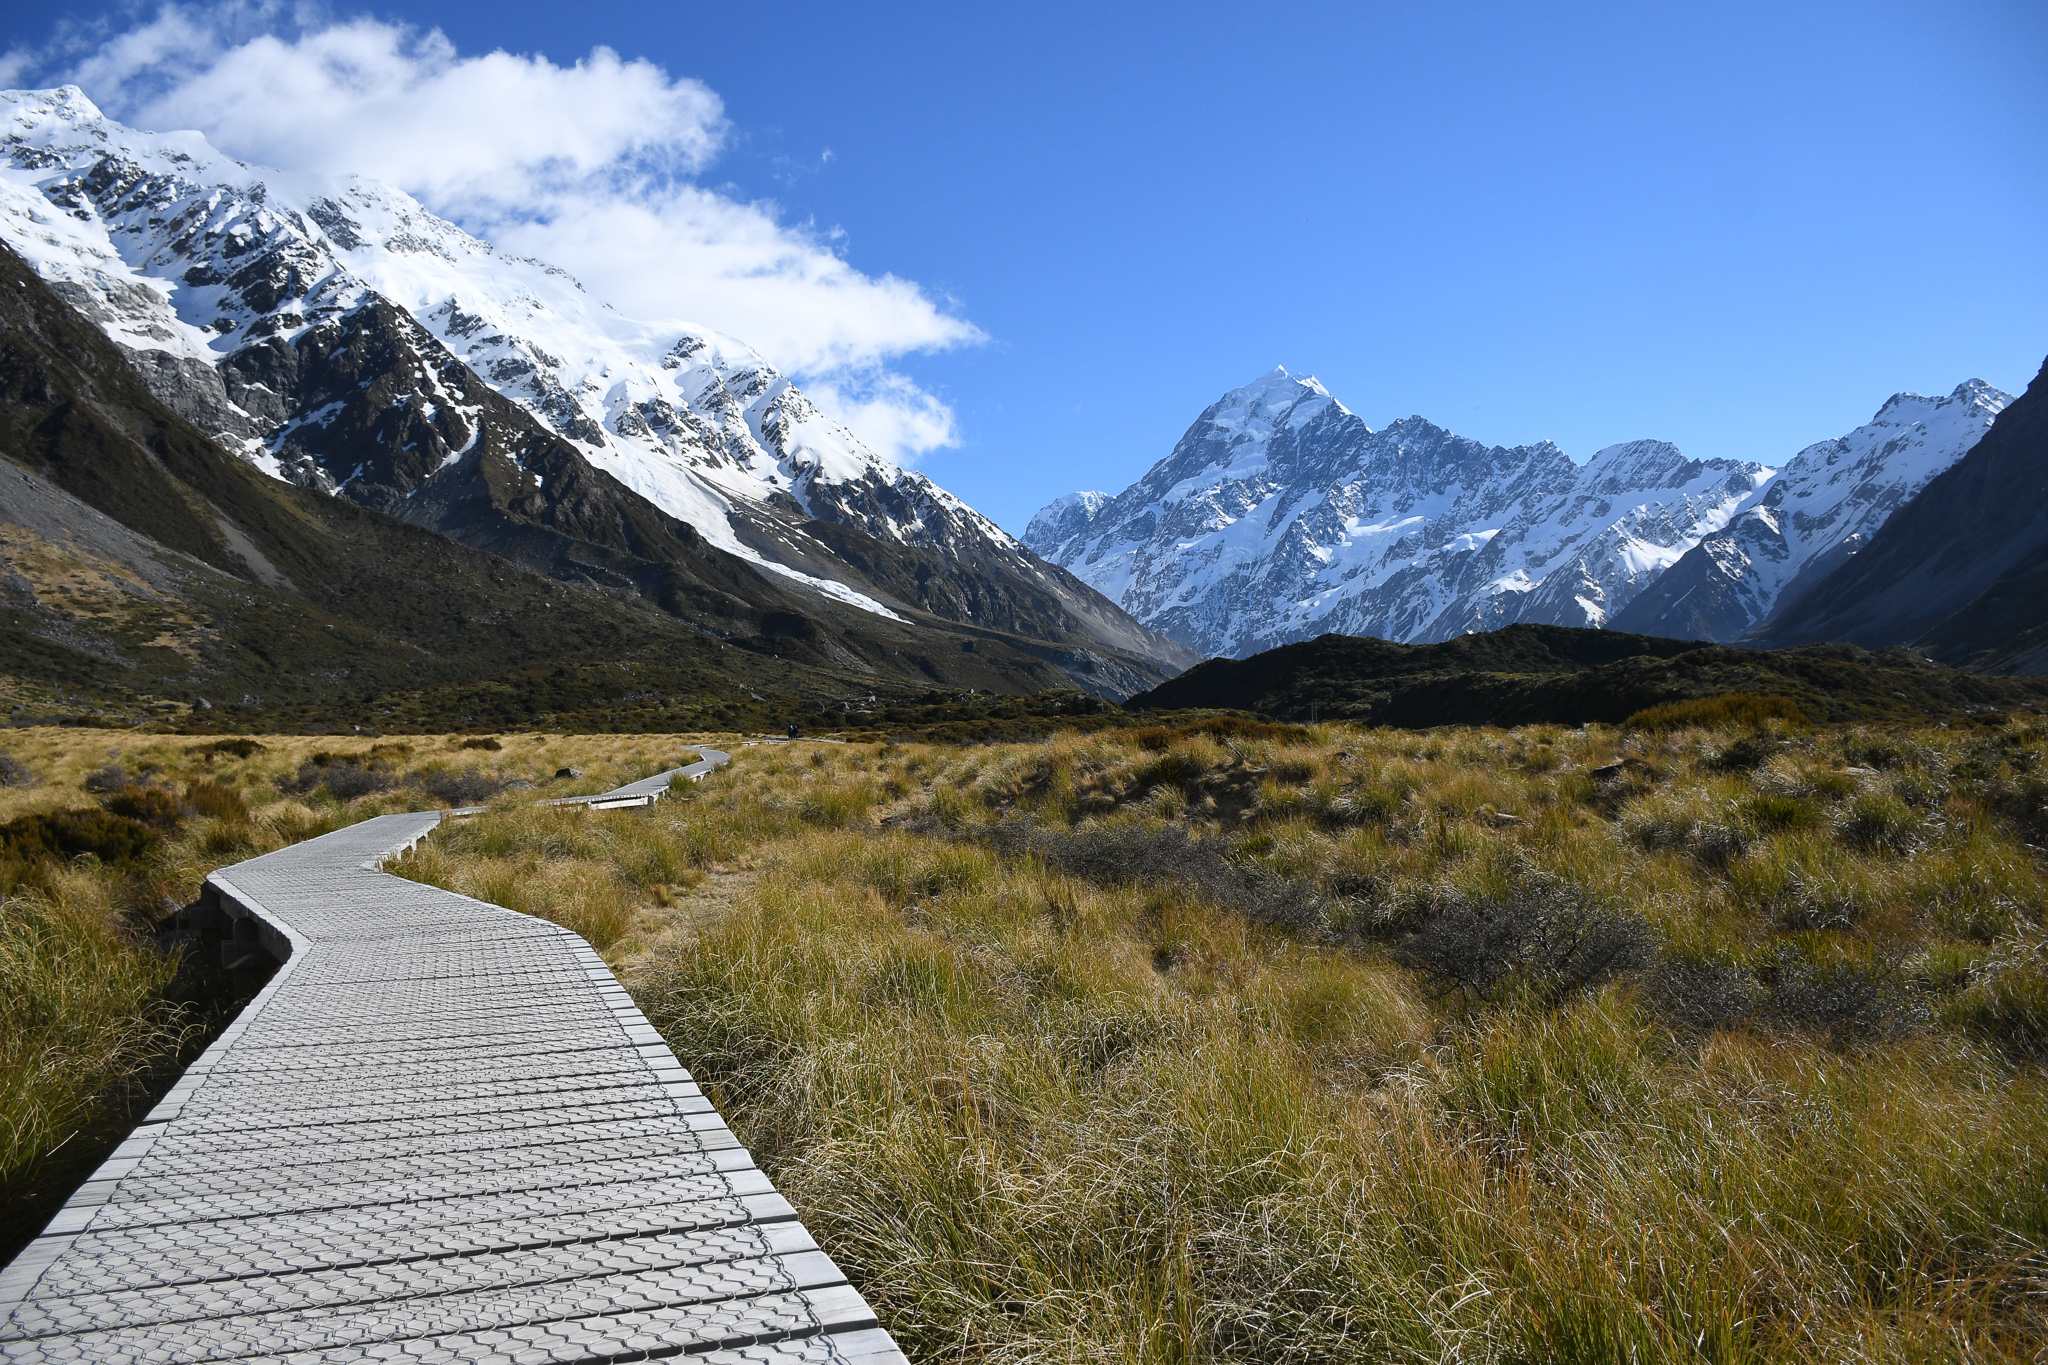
(441,1133)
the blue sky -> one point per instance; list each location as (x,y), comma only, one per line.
(1067,229)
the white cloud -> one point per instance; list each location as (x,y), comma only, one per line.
(587,166)
(886,408)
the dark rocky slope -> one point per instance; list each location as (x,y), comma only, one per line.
(1960,571)
(220,580)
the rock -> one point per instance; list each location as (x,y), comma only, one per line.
(568,772)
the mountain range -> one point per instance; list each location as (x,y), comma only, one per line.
(289,436)
(1281,516)
(334,335)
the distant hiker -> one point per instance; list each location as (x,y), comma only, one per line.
(792,732)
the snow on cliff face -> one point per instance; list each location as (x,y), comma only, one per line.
(1822,507)
(188,256)
(1280,516)
(1063,518)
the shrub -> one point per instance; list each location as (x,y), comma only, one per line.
(232,748)
(1751,751)
(1158,737)
(487,742)
(1112,854)
(151,805)
(1547,933)
(347,781)
(1717,713)
(1842,997)
(111,778)
(342,779)
(15,773)
(116,840)
(466,788)
(1702,992)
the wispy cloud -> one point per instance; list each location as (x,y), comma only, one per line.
(590,166)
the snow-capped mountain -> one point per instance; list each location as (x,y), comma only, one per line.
(1280,516)
(1822,507)
(340,336)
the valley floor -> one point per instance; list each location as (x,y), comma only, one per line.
(1228,1041)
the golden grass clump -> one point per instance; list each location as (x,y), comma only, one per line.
(1727,710)
(87,1016)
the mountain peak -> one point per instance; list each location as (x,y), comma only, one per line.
(1275,386)
(1280,516)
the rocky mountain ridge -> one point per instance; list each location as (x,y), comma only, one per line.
(1280,516)
(1961,571)
(339,336)
(1820,509)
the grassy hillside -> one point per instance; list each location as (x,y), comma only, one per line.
(1528,675)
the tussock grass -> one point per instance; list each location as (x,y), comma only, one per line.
(1728,709)
(88,1017)
(1714,1041)
(1717,1041)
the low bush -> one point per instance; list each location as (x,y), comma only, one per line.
(1751,751)
(230,748)
(341,778)
(466,788)
(1843,997)
(116,841)
(150,805)
(1543,935)
(111,778)
(15,773)
(1113,854)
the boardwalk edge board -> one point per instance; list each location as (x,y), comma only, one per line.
(441,1131)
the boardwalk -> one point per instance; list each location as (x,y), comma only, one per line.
(442,1133)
